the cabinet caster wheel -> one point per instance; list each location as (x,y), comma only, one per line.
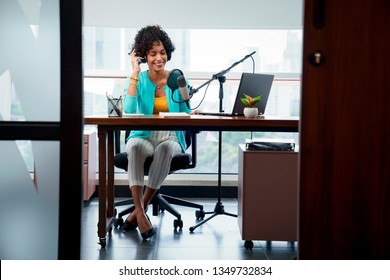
(199,214)
(102,242)
(248,244)
(177,224)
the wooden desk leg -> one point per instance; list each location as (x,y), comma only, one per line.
(110,167)
(102,134)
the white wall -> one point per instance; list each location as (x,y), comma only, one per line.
(231,14)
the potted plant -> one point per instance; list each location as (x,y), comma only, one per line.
(250,111)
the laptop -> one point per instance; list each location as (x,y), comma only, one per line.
(252,84)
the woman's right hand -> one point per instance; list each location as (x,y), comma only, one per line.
(134,62)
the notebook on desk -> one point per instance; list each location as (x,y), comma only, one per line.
(252,84)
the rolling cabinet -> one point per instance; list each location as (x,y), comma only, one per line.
(267,195)
(90,146)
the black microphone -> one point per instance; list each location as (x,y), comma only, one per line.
(183,88)
(176,81)
(172,79)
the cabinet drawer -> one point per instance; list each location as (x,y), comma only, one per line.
(268,202)
(89,153)
(86,177)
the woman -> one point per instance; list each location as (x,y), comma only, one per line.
(147,92)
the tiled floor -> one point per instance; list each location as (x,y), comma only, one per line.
(218,239)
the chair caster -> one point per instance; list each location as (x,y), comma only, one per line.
(177,224)
(248,244)
(199,214)
(118,222)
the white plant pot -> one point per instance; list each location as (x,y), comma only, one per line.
(251,112)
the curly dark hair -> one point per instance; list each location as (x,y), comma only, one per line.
(149,35)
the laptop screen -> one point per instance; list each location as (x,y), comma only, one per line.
(253,84)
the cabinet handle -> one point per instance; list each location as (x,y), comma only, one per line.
(318,13)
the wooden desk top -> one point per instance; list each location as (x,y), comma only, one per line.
(196,122)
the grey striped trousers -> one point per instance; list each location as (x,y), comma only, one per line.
(138,149)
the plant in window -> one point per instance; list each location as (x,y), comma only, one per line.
(249,101)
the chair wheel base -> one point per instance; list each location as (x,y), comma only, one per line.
(199,214)
(177,224)
(118,222)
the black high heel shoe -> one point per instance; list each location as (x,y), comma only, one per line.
(149,233)
(128,226)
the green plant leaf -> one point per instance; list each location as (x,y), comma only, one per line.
(245,101)
(249,101)
(257,99)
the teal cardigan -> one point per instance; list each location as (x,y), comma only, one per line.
(143,103)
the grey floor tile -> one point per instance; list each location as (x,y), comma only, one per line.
(218,239)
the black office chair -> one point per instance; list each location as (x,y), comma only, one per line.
(161,202)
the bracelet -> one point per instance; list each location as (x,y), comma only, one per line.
(134,84)
(134,78)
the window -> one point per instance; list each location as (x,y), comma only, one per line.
(200,53)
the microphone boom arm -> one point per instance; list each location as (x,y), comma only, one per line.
(219,74)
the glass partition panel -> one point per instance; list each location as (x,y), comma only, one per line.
(29,202)
(30,57)
(29,91)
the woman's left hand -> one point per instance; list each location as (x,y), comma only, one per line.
(195,112)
